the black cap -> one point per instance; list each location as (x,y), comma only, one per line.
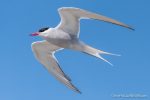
(43,29)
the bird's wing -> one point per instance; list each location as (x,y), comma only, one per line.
(70,19)
(44,52)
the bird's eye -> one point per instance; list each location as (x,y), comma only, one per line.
(43,29)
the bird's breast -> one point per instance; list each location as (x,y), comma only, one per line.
(58,38)
(58,34)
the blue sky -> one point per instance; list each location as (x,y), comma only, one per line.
(23,78)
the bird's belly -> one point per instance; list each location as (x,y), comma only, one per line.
(64,43)
(59,38)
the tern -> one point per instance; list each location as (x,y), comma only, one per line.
(66,35)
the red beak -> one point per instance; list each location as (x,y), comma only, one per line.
(34,34)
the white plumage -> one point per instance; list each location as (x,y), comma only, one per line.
(66,35)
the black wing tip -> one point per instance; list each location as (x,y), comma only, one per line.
(127,26)
(78,91)
(131,28)
(67,77)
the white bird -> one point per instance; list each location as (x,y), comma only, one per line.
(66,35)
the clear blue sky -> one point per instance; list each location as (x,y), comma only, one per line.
(23,78)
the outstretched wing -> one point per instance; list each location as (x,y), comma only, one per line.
(70,19)
(44,52)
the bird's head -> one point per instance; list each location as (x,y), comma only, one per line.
(42,30)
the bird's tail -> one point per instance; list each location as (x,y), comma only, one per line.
(94,52)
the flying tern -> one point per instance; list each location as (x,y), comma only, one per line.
(66,35)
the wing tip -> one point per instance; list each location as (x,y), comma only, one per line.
(126,26)
(131,28)
(75,89)
(78,91)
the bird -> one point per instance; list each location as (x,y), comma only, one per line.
(66,36)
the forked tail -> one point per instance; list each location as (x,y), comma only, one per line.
(92,51)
